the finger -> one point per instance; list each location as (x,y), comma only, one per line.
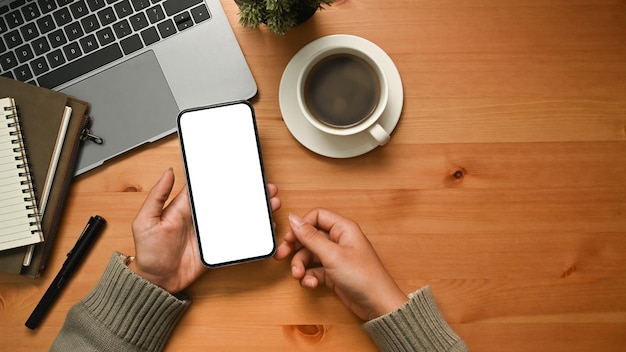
(179,205)
(283,250)
(313,277)
(158,195)
(310,237)
(300,261)
(332,223)
(291,238)
(272,189)
(275,203)
(288,246)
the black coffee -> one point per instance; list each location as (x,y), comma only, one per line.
(341,90)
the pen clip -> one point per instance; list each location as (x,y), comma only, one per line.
(90,223)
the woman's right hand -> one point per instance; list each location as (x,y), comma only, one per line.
(332,250)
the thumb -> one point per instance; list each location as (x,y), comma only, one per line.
(158,195)
(309,236)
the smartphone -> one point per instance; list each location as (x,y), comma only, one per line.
(226,181)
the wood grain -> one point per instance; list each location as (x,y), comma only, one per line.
(503,186)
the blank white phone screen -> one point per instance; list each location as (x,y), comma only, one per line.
(227,188)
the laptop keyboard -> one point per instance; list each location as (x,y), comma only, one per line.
(50,42)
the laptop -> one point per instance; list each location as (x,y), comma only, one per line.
(137,62)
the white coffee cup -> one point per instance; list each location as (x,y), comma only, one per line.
(343,91)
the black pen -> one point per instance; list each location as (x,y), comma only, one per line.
(74,258)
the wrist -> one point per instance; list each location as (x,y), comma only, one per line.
(391,301)
(393,304)
(131,263)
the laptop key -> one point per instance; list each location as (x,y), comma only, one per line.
(57,38)
(47,5)
(150,36)
(123,9)
(131,44)
(81,66)
(79,9)
(140,4)
(17,3)
(138,21)
(173,7)
(13,39)
(23,73)
(62,16)
(46,24)
(72,51)
(106,16)
(95,4)
(200,13)
(105,36)
(30,12)
(8,61)
(155,14)
(40,46)
(122,29)
(90,23)
(24,53)
(29,31)
(73,31)
(14,19)
(55,58)
(183,21)
(166,28)
(89,43)
(39,66)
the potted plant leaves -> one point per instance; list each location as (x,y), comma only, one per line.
(278,15)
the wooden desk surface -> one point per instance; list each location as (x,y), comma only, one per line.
(526,251)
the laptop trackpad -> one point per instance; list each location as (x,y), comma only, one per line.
(130,103)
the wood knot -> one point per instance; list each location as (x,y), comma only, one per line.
(309,333)
(569,271)
(132,189)
(455,177)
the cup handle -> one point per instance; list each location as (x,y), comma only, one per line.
(379,133)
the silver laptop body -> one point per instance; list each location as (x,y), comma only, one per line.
(144,61)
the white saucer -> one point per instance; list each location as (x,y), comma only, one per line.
(323,143)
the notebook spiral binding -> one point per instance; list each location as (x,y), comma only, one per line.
(21,150)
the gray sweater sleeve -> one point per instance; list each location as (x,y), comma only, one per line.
(122,313)
(127,313)
(416,326)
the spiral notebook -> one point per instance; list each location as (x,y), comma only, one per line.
(19,212)
(53,145)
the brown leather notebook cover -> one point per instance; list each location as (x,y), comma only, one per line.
(41,112)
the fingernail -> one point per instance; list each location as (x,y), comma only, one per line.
(309,282)
(170,169)
(294,271)
(295,221)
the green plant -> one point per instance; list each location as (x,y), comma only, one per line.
(278,15)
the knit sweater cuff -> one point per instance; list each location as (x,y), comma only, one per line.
(416,326)
(131,308)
